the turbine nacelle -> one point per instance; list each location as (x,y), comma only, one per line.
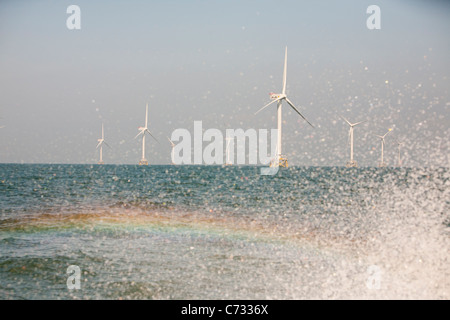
(100,142)
(352,125)
(381,138)
(384,136)
(276,96)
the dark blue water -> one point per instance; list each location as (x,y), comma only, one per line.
(211,232)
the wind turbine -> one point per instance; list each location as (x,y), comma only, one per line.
(100,145)
(172,152)
(352,162)
(279,99)
(382,164)
(143,131)
(399,144)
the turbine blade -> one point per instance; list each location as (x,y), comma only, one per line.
(102,132)
(346,121)
(296,110)
(355,124)
(107,144)
(151,134)
(285,71)
(387,133)
(98,145)
(171,142)
(267,105)
(139,134)
(146,115)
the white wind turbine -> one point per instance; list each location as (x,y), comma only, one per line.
(143,131)
(279,98)
(352,162)
(172,152)
(382,164)
(399,144)
(100,145)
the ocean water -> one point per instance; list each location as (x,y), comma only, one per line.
(212,232)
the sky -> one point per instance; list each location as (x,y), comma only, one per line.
(217,62)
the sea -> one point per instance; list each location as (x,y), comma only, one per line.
(223,232)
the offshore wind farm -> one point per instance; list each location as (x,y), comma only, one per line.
(354,206)
(279,160)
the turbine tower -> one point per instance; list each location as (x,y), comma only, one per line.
(143,131)
(352,162)
(282,161)
(382,164)
(172,152)
(100,145)
(399,144)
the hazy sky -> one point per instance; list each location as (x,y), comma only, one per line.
(216,61)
